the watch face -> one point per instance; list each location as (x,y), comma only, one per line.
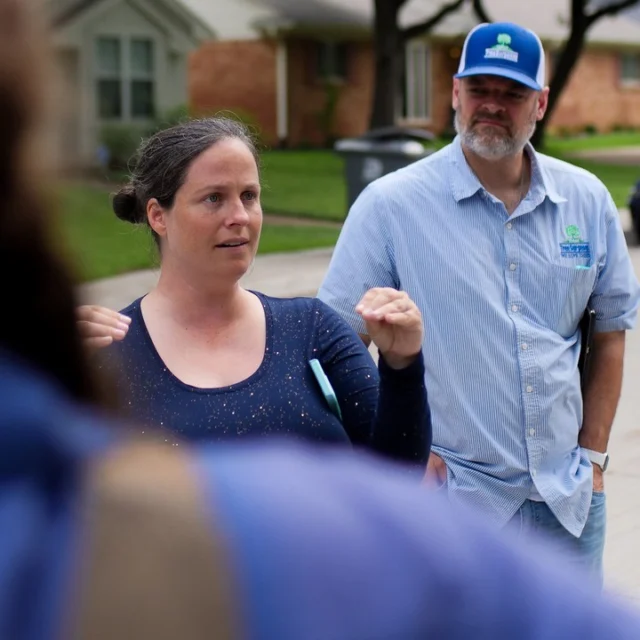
(605,464)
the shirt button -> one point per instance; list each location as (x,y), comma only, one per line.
(514,308)
(509,225)
(532,432)
(529,388)
(513,266)
(524,346)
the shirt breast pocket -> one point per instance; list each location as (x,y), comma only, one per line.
(572,288)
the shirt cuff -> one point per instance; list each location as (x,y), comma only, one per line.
(414,371)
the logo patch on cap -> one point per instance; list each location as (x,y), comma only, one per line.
(502,50)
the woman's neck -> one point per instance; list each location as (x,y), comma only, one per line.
(192,303)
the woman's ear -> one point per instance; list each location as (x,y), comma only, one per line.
(156,217)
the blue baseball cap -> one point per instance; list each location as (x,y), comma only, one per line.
(503,49)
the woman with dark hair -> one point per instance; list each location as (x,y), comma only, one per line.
(207,359)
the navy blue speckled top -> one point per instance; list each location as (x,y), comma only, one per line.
(382,409)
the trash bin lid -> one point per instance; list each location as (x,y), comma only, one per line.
(360,145)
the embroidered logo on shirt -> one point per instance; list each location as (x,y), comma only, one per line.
(502,50)
(574,246)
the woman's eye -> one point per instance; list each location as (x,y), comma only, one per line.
(214,197)
(249,195)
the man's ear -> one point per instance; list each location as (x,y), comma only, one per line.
(543,103)
(455,94)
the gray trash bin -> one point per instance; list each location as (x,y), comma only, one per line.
(379,152)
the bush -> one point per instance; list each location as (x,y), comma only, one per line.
(119,143)
(239,115)
(170,118)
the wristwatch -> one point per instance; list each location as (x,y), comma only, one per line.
(601,459)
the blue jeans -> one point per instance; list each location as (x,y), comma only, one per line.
(535,518)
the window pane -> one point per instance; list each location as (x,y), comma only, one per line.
(331,60)
(416,89)
(108,56)
(630,69)
(109,99)
(141,57)
(142,99)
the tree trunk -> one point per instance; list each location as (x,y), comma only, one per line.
(387,45)
(561,74)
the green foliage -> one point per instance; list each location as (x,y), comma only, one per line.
(327,115)
(121,142)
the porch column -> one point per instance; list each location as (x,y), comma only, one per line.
(282,92)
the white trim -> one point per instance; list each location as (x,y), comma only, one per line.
(282,91)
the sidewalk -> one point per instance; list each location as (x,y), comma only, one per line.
(277,274)
(301,273)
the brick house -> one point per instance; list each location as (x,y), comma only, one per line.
(303,69)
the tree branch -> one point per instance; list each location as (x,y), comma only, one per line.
(610,10)
(427,25)
(480,11)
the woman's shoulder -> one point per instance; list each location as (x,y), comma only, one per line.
(132,309)
(299,304)
(298,307)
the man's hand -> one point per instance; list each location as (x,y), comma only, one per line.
(99,326)
(598,479)
(436,474)
(394,323)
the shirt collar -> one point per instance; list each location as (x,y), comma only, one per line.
(464,182)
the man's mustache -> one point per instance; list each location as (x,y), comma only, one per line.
(491,119)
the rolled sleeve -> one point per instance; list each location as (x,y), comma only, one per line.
(363,257)
(616,295)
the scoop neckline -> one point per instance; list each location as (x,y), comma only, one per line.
(236,386)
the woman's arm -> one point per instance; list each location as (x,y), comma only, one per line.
(384,410)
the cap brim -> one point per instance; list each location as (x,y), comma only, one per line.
(502,72)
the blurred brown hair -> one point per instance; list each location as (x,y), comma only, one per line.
(38,323)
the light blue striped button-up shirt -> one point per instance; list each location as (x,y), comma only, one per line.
(501,297)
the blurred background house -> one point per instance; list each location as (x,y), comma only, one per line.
(301,71)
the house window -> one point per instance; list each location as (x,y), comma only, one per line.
(416,85)
(331,60)
(630,68)
(141,54)
(125,78)
(109,54)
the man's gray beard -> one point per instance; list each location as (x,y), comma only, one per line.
(498,147)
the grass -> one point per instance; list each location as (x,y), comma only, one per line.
(304,183)
(311,183)
(557,146)
(618,178)
(296,183)
(100,245)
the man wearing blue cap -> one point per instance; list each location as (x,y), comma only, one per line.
(503,249)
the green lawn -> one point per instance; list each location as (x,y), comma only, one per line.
(296,183)
(304,183)
(561,146)
(100,245)
(618,178)
(311,183)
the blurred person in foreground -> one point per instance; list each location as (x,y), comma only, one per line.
(106,538)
